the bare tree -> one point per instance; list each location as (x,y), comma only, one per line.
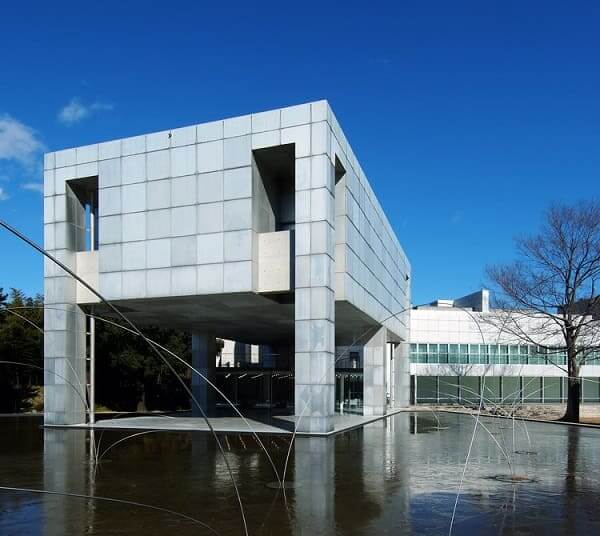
(550,293)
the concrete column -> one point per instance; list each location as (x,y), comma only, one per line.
(390,376)
(401,375)
(64,361)
(204,356)
(64,322)
(374,363)
(314,294)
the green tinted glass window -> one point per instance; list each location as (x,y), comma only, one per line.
(558,357)
(552,389)
(469,392)
(491,388)
(494,354)
(511,389)
(432,355)
(537,357)
(443,353)
(591,389)
(483,354)
(448,389)
(426,389)
(532,390)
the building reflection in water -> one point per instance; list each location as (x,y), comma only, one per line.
(378,479)
(343,489)
(314,467)
(385,476)
(66,469)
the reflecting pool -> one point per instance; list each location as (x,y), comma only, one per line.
(396,476)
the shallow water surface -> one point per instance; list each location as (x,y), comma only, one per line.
(396,476)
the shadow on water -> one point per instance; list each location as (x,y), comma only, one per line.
(385,478)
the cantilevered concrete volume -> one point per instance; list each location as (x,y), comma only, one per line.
(262,229)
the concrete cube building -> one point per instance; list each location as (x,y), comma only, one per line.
(261,229)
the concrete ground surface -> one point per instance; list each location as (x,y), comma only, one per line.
(281,425)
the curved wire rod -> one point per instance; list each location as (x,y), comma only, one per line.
(477,420)
(85,403)
(221,393)
(261,529)
(307,404)
(124,439)
(97,452)
(462,478)
(494,404)
(97,455)
(503,451)
(206,379)
(30,322)
(22,317)
(511,414)
(259,441)
(27,240)
(364,334)
(521,421)
(4,362)
(113,500)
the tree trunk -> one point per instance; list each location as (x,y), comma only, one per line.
(573,390)
(141,405)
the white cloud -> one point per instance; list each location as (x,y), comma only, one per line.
(76,111)
(34,187)
(18,141)
(3,194)
(73,112)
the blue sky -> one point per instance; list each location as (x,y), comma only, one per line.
(469,118)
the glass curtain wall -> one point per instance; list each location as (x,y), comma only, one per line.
(494,354)
(498,390)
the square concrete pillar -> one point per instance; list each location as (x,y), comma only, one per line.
(64,322)
(204,356)
(64,355)
(314,295)
(374,372)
